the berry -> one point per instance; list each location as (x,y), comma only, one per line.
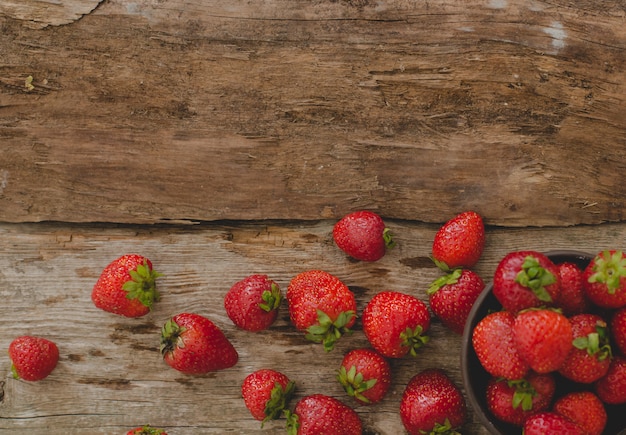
(604,279)
(572,299)
(585,409)
(192,344)
(266,394)
(126,286)
(320,414)
(611,388)
(550,423)
(618,330)
(459,243)
(365,375)
(252,303)
(32,358)
(363,236)
(396,323)
(146,430)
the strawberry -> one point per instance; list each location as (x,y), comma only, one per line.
(611,388)
(585,409)
(32,358)
(543,338)
(572,299)
(146,430)
(550,423)
(526,279)
(365,375)
(266,393)
(320,414)
(492,339)
(192,344)
(513,401)
(252,303)
(396,323)
(589,358)
(363,236)
(432,403)
(452,296)
(126,286)
(618,330)
(604,279)
(321,305)
(459,243)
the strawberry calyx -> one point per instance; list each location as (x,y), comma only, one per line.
(293,422)
(271,299)
(536,278)
(171,337)
(441,264)
(277,403)
(523,395)
(142,284)
(388,238)
(413,339)
(442,429)
(328,332)
(609,267)
(449,279)
(354,384)
(148,430)
(595,343)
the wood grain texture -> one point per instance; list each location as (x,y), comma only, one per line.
(42,13)
(151,111)
(110,376)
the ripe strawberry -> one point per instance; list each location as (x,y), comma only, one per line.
(526,279)
(452,296)
(604,279)
(618,330)
(589,358)
(32,358)
(321,305)
(192,344)
(492,339)
(572,299)
(459,243)
(320,414)
(252,303)
(543,338)
(513,401)
(396,323)
(363,235)
(365,375)
(585,409)
(611,388)
(432,403)
(266,394)
(550,423)
(126,286)
(146,430)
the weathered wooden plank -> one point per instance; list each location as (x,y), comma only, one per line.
(189,111)
(110,376)
(42,13)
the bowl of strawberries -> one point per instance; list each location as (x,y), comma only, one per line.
(544,346)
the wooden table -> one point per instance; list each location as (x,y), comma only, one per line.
(224,138)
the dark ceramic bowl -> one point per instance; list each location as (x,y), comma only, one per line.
(475,378)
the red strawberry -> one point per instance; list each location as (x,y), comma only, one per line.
(320,414)
(550,423)
(492,339)
(146,430)
(32,358)
(513,401)
(459,243)
(266,393)
(321,305)
(618,330)
(252,303)
(611,388)
(452,296)
(604,279)
(192,344)
(585,409)
(543,338)
(396,323)
(526,279)
(126,286)
(363,235)
(432,403)
(572,299)
(589,358)
(365,375)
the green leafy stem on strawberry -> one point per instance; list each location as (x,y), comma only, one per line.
(277,403)
(271,299)
(413,339)
(536,278)
(596,343)
(609,268)
(142,284)
(354,383)
(328,332)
